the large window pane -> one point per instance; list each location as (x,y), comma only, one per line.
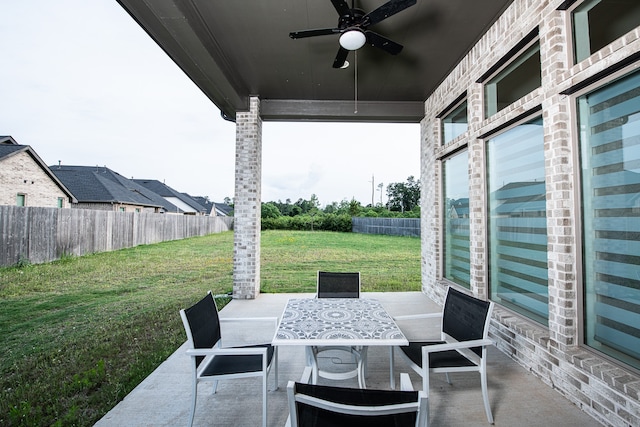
(610,160)
(597,23)
(521,77)
(517,221)
(455,123)
(456,219)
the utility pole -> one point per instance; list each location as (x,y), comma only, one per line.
(373,191)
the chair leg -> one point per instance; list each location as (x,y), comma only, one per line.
(194,391)
(275,368)
(446,375)
(425,377)
(485,396)
(264,399)
(215,387)
(193,402)
(392,380)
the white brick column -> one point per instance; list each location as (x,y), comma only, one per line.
(478,215)
(560,185)
(430,202)
(248,183)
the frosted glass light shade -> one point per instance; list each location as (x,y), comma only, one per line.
(352,39)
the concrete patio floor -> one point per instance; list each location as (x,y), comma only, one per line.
(517,397)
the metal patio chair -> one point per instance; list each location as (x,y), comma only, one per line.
(324,406)
(213,362)
(463,345)
(340,285)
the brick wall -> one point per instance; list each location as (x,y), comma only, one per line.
(607,391)
(20,174)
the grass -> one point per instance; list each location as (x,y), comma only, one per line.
(80,333)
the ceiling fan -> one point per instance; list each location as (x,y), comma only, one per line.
(353,27)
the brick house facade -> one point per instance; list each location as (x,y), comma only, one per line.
(562,341)
(26,180)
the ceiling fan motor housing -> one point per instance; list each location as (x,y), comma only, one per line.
(350,20)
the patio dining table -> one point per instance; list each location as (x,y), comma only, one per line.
(351,322)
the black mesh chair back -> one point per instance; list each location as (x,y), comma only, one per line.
(323,414)
(338,285)
(204,324)
(464,317)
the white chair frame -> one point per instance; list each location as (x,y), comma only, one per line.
(450,343)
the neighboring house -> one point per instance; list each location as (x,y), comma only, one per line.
(222,209)
(25,180)
(101,188)
(214,208)
(184,203)
(459,208)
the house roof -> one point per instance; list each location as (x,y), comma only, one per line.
(9,148)
(94,184)
(234,49)
(214,208)
(7,140)
(169,193)
(223,208)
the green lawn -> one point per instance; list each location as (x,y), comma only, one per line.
(80,333)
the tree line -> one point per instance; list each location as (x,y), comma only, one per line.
(403,200)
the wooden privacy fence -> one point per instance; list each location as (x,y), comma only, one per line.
(40,235)
(390,226)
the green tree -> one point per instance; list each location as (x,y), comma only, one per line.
(403,197)
(354,207)
(269,210)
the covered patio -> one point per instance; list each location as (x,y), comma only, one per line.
(456,55)
(517,396)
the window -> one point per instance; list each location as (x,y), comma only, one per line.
(21,200)
(597,23)
(122,209)
(60,202)
(609,120)
(456,218)
(517,220)
(455,123)
(520,77)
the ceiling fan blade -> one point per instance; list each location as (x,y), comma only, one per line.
(383,43)
(312,33)
(341,57)
(386,10)
(341,7)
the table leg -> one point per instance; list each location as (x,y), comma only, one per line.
(311,362)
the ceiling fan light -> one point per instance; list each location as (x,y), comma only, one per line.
(352,39)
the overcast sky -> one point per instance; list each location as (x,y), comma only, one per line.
(83,84)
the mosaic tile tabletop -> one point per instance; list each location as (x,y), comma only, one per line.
(332,321)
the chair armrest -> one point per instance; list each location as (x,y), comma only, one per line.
(405,382)
(193,352)
(455,345)
(418,316)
